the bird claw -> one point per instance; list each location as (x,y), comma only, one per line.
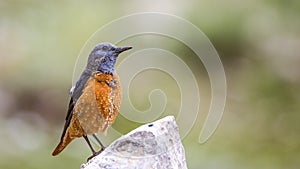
(95,154)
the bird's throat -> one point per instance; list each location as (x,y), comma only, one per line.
(107,66)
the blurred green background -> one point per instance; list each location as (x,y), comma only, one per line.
(258,43)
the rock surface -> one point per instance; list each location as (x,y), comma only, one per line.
(155,145)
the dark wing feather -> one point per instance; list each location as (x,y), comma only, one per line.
(78,90)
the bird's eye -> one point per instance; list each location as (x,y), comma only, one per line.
(98,60)
(104,48)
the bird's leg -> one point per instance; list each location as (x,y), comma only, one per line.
(91,147)
(89,143)
(98,140)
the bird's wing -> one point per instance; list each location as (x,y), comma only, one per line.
(75,92)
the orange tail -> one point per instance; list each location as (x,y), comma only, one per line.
(62,145)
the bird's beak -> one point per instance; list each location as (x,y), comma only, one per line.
(122,49)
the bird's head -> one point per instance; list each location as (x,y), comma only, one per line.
(104,56)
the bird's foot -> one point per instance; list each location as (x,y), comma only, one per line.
(95,154)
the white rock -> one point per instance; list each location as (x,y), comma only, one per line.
(155,145)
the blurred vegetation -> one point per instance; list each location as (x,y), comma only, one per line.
(258,42)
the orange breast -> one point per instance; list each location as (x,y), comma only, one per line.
(99,104)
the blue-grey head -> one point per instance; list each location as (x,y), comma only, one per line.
(104,56)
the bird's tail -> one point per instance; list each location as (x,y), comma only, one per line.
(62,144)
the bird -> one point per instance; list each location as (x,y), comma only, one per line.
(94,99)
